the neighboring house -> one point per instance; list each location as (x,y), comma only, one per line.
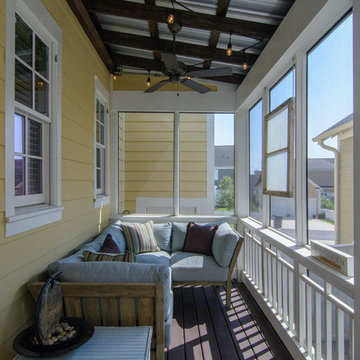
(224,162)
(343,175)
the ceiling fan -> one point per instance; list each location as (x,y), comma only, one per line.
(176,71)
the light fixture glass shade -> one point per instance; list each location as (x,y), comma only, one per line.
(148,82)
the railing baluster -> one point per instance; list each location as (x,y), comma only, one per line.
(285,296)
(328,324)
(291,301)
(309,315)
(317,325)
(340,334)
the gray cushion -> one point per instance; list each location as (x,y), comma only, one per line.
(178,236)
(196,267)
(109,271)
(157,257)
(224,244)
(115,231)
(162,234)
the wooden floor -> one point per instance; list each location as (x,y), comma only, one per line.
(204,329)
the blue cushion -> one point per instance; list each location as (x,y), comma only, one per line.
(178,236)
(196,267)
(162,234)
(158,257)
(224,244)
(115,231)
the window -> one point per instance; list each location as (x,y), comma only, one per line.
(330,197)
(282,209)
(207,164)
(148,170)
(33,117)
(255,160)
(102,158)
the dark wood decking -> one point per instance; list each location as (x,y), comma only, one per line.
(204,329)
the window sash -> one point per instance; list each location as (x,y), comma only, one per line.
(289,150)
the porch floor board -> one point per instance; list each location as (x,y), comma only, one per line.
(204,329)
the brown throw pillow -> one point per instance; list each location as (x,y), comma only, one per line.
(109,246)
(199,238)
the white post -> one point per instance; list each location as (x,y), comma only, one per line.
(266,198)
(356,77)
(176,163)
(300,150)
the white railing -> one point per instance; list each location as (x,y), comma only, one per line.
(312,303)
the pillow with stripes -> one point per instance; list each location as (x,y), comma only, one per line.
(96,256)
(140,238)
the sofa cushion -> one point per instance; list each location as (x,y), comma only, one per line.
(109,246)
(162,234)
(140,237)
(199,238)
(224,244)
(111,271)
(158,257)
(115,231)
(178,236)
(99,256)
(196,267)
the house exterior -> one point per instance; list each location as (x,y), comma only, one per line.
(343,132)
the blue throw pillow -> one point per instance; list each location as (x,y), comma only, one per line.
(162,234)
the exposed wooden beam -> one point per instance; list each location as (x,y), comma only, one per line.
(205,22)
(154,31)
(184,49)
(155,65)
(84,19)
(222,9)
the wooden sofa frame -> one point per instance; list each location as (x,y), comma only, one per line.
(227,283)
(115,304)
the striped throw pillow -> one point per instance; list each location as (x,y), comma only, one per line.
(95,256)
(140,238)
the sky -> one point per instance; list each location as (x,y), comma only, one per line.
(224,129)
(330,92)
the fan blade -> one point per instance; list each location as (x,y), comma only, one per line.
(223,71)
(157,86)
(170,61)
(202,89)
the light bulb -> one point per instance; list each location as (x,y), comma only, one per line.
(171,19)
(114,77)
(244,65)
(148,82)
(188,77)
(229,50)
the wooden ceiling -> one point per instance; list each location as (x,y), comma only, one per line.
(130,35)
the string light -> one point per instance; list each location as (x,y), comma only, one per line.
(148,81)
(188,77)
(114,76)
(244,65)
(170,19)
(229,47)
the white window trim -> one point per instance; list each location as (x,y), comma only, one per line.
(17,223)
(103,95)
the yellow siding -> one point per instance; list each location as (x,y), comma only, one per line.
(193,155)
(346,192)
(149,156)
(121,162)
(24,256)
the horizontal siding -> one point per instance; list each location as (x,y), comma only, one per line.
(149,156)
(31,252)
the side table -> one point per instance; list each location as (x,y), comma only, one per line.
(110,343)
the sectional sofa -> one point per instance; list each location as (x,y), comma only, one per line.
(169,266)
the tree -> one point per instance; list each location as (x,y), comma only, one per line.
(227,198)
(327,203)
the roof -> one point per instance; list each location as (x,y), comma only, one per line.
(320,164)
(224,156)
(132,34)
(321,172)
(336,129)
